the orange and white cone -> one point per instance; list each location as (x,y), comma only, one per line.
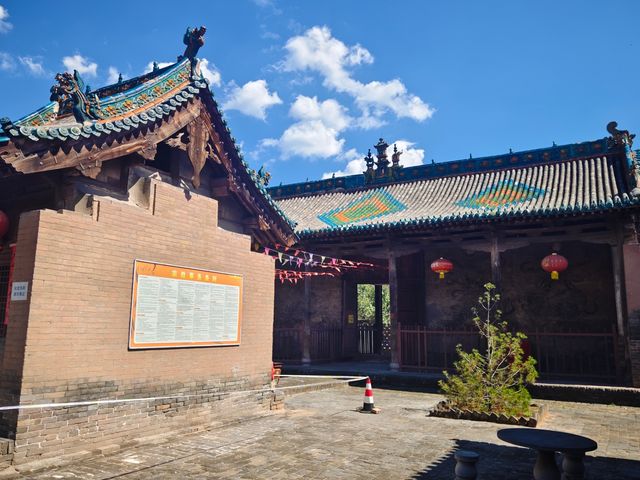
(367,406)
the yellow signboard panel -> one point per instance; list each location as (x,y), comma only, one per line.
(176,307)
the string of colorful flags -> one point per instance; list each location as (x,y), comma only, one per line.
(294,275)
(298,258)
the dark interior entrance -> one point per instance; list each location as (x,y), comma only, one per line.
(373,320)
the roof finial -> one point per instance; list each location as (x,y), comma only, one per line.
(155,66)
(395,158)
(620,137)
(120,76)
(193,39)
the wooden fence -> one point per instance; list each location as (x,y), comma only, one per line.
(559,355)
(325,344)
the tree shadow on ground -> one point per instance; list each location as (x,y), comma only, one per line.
(500,462)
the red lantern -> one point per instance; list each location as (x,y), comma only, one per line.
(4,224)
(442,266)
(554,264)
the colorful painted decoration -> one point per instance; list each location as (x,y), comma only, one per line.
(502,194)
(373,205)
(554,264)
(4,224)
(441,266)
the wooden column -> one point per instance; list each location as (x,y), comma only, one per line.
(618,286)
(393,307)
(495,262)
(306,328)
(425,290)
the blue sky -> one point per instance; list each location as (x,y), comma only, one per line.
(307,87)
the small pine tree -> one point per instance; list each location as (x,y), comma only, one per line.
(492,381)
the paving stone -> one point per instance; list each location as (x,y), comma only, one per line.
(321,436)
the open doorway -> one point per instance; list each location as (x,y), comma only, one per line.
(374,320)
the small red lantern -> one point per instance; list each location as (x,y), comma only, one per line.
(554,264)
(442,266)
(4,224)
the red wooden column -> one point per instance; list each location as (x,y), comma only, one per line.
(393,311)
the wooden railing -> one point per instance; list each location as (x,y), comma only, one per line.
(287,344)
(558,354)
(325,344)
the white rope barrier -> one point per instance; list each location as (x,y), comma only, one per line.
(339,378)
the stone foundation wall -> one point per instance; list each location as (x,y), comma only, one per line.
(184,407)
(69,341)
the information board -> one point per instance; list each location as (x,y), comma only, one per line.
(184,307)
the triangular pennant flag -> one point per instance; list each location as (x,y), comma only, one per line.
(266,250)
(280,256)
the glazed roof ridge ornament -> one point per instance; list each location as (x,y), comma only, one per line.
(70,98)
(193,39)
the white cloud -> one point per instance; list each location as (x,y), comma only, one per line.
(35,67)
(81,64)
(355,162)
(330,112)
(252,99)
(113,75)
(149,67)
(315,133)
(210,72)
(318,51)
(5,26)
(310,139)
(7,62)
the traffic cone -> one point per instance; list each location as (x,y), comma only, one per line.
(367,406)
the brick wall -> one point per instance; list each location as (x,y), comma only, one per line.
(76,324)
(631,254)
(325,302)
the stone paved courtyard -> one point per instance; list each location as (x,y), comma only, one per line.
(319,435)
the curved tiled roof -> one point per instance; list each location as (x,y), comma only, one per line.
(130,106)
(567,187)
(148,100)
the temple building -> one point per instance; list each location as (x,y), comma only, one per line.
(436,233)
(128,270)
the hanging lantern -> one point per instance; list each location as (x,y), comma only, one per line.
(442,266)
(554,264)
(4,224)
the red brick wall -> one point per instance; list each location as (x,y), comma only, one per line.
(77,323)
(632,284)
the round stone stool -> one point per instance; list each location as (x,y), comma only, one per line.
(466,465)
